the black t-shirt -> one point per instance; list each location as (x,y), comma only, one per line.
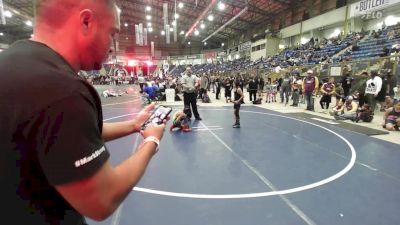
(346,82)
(50,134)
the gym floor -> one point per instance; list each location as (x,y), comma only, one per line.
(275,169)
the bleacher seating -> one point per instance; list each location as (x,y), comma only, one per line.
(373,47)
(310,53)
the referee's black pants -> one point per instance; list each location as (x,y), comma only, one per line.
(189,99)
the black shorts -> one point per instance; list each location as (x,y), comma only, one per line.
(393,122)
(326,98)
(236,106)
(381,96)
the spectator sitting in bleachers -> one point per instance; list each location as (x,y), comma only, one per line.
(385,52)
(391,34)
(396,47)
(374,34)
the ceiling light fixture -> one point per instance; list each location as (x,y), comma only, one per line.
(126,24)
(149,24)
(196,32)
(162,33)
(148,8)
(182,32)
(28,23)
(150,29)
(7,14)
(202,26)
(210,17)
(205,43)
(189,43)
(221,6)
(171,29)
(1,34)
(180,5)
(148,17)
(223,44)
(176,16)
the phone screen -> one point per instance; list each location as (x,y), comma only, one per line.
(158,115)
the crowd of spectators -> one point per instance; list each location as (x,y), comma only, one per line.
(357,97)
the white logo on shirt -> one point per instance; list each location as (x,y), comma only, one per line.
(87,159)
(371,88)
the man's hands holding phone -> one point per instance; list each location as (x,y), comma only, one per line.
(142,117)
(153,123)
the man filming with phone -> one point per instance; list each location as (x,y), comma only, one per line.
(54,164)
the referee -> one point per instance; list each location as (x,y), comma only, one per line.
(189,92)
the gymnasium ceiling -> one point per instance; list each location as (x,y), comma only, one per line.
(259,13)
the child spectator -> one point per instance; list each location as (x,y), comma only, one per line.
(338,109)
(364,114)
(350,110)
(391,118)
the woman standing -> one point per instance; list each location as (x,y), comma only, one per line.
(238,100)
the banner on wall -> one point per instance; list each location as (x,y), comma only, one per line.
(193,57)
(3,18)
(336,71)
(165,14)
(166,67)
(152,48)
(167,34)
(367,6)
(140,34)
(137,33)
(210,55)
(145,36)
(245,46)
(175,25)
(221,53)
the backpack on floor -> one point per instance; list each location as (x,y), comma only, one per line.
(205,98)
(257,101)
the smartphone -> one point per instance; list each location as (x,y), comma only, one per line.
(158,116)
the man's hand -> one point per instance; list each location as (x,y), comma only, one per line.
(142,117)
(154,130)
